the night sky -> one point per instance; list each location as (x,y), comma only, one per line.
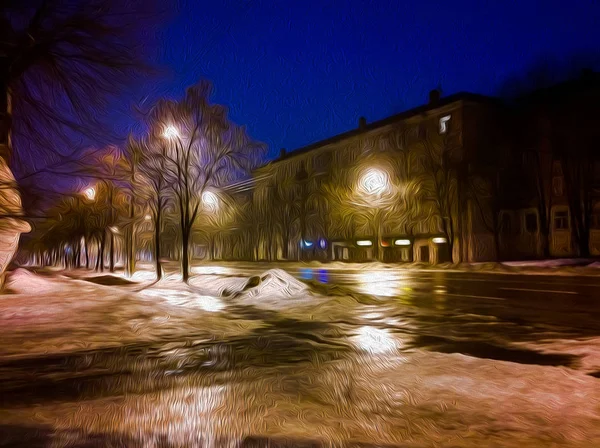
(295,72)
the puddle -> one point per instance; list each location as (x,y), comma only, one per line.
(484,350)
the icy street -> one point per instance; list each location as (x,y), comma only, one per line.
(361,358)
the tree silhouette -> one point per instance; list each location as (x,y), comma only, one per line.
(205,151)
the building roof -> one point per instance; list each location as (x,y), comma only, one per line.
(443,101)
(555,93)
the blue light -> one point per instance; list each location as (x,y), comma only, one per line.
(306,274)
(308,243)
(322,243)
(323,276)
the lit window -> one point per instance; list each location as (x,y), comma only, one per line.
(364,243)
(444,124)
(561,220)
(402,242)
(439,240)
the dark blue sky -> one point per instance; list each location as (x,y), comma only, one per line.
(295,71)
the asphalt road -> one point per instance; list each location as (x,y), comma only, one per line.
(569,305)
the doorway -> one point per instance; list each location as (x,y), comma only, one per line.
(424,254)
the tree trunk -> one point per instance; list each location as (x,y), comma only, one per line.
(98,255)
(101,254)
(87,252)
(212,247)
(112,252)
(185,257)
(185,262)
(130,242)
(77,254)
(378,248)
(157,246)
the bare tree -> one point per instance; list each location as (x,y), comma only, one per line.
(439,184)
(206,151)
(59,62)
(153,186)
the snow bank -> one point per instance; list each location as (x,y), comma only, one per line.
(23,281)
(549,263)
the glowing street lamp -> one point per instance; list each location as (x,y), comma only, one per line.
(171,132)
(90,193)
(210,200)
(374,181)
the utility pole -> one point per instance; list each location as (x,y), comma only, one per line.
(130,262)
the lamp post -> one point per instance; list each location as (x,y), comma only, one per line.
(374,183)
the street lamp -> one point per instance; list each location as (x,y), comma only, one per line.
(90,193)
(171,132)
(374,182)
(210,200)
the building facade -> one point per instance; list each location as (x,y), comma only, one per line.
(555,161)
(464,178)
(312,204)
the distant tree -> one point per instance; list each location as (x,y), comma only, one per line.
(439,183)
(577,136)
(219,216)
(205,152)
(153,186)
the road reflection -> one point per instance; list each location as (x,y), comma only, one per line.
(375,340)
(383,284)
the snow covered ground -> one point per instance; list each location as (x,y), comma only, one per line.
(222,361)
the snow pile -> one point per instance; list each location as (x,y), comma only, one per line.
(275,288)
(274,282)
(218,286)
(23,281)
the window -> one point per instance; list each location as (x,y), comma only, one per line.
(506,224)
(322,162)
(557,186)
(531,223)
(444,124)
(561,220)
(595,224)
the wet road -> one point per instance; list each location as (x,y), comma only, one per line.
(534,305)
(198,375)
